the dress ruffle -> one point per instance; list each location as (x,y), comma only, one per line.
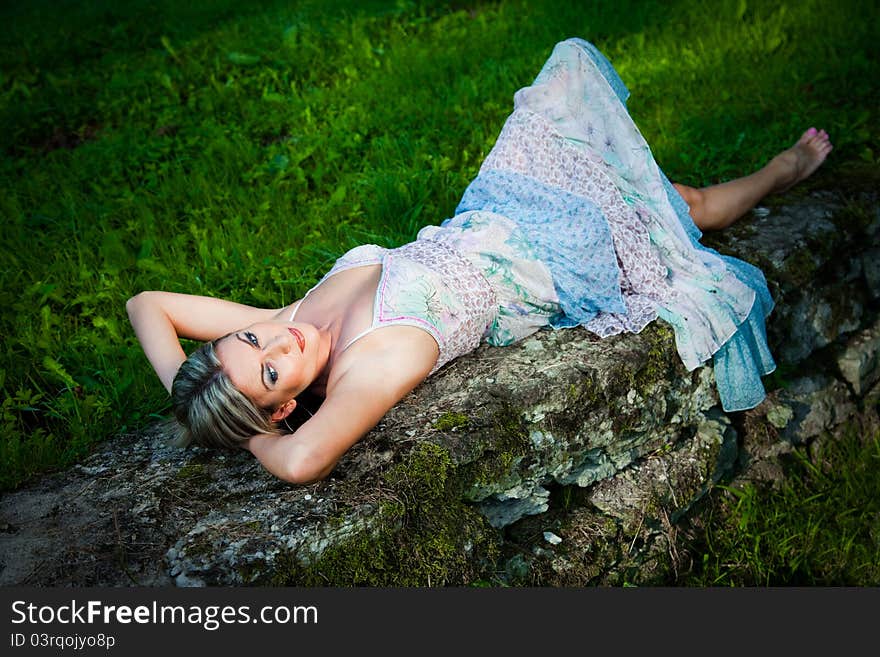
(571,139)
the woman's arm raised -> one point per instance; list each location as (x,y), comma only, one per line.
(161,319)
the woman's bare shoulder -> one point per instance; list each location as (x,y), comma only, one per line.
(389,357)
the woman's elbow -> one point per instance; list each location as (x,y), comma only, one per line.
(132,303)
(307,468)
(136,302)
(300,474)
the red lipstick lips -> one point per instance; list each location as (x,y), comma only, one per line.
(300,340)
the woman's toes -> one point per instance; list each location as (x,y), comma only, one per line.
(807,136)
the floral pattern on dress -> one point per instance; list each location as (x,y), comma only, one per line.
(720,303)
(570,170)
(430,286)
(571,94)
(526,298)
(530,145)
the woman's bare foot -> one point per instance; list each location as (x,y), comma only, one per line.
(718,206)
(801,160)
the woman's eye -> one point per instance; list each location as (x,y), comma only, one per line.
(252,338)
(273,375)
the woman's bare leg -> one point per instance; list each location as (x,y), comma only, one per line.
(718,206)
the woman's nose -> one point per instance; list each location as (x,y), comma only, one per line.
(282,344)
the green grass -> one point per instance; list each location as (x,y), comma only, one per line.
(236,149)
(820,527)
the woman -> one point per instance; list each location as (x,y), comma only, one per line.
(570,222)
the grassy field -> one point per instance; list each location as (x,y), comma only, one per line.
(821,528)
(236,149)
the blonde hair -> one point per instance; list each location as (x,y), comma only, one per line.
(209,409)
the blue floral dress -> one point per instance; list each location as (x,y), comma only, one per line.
(571,222)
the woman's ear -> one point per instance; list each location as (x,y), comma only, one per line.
(284,410)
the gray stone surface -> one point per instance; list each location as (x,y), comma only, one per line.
(602,445)
(859,362)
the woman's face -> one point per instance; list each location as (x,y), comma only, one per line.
(271,362)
